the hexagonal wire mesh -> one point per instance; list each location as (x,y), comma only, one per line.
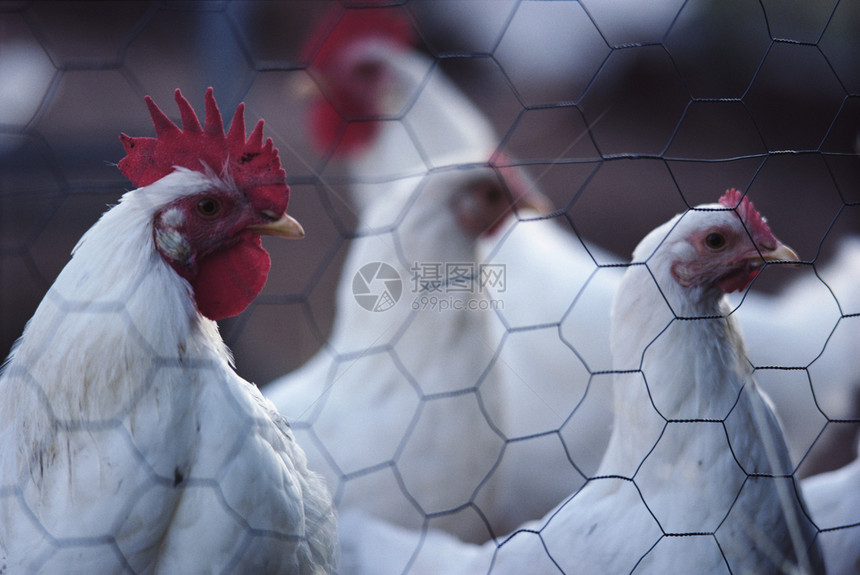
(622,114)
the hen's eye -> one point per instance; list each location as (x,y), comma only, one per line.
(493,194)
(368,70)
(715,241)
(209,207)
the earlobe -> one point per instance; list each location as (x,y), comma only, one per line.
(176,251)
(172,244)
(682,274)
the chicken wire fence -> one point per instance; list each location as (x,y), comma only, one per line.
(622,113)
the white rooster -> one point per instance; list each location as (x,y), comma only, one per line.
(127,442)
(696,477)
(397,409)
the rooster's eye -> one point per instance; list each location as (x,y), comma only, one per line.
(715,241)
(209,207)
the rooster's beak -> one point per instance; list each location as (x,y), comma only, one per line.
(285,227)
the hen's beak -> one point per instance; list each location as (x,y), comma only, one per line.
(303,88)
(535,200)
(782,253)
(285,227)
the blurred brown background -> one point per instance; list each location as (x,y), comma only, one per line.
(625,112)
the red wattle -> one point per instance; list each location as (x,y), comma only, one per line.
(228,280)
(738,280)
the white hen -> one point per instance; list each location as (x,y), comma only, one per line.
(398,410)
(696,477)
(127,442)
(810,326)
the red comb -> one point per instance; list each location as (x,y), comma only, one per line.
(252,164)
(751,218)
(340,29)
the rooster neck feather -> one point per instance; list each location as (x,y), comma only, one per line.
(138,317)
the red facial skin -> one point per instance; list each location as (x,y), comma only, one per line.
(345,118)
(731,257)
(221,258)
(725,258)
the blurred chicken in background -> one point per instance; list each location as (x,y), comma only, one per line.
(400,409)
(428,183)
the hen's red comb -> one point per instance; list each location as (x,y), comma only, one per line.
(751,218)
(252,164)
(340,29)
